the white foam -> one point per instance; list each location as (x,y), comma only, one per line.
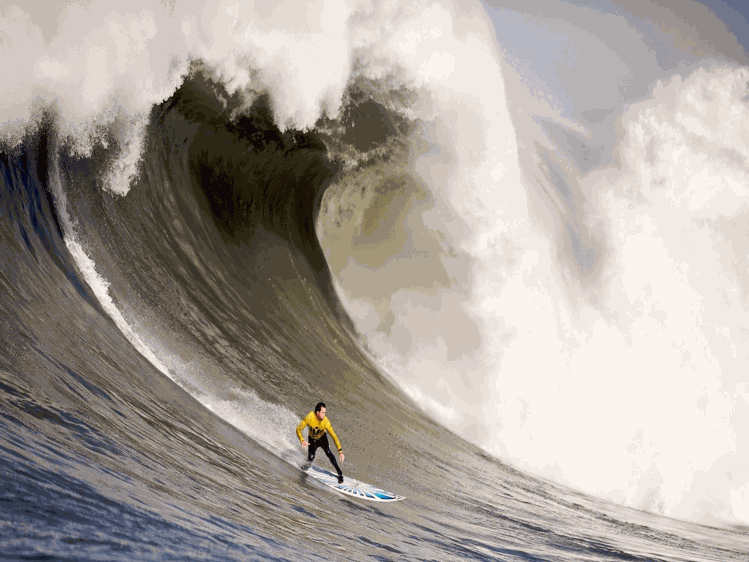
(623,380)
(103,65)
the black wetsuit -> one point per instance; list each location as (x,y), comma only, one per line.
(323,444)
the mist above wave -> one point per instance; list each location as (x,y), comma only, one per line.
(558,277)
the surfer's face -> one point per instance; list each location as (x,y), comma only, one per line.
(321,414)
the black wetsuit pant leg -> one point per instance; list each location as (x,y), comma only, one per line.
(323,444)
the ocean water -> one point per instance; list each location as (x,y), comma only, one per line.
(506,246)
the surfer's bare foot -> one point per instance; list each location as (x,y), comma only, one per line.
(340,478)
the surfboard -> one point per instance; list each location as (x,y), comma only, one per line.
(351,487)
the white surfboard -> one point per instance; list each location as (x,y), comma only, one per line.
(351,487)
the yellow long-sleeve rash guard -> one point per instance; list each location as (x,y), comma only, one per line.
(317,429)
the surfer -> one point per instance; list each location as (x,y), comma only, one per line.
(319,426)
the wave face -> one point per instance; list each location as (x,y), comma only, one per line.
(520,299)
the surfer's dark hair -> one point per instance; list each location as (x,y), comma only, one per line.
(319,406)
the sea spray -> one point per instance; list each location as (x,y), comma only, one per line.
(593,349)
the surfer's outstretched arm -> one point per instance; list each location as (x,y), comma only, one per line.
(335,438)
(299,429)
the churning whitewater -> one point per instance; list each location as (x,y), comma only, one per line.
(506,246)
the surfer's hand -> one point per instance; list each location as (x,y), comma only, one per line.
(304,444)
(340,456)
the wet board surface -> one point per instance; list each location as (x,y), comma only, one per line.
(351,487)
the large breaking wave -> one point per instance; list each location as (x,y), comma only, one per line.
(398,207)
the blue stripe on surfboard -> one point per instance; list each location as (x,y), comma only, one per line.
(352,487)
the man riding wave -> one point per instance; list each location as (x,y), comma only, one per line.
(319,426)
